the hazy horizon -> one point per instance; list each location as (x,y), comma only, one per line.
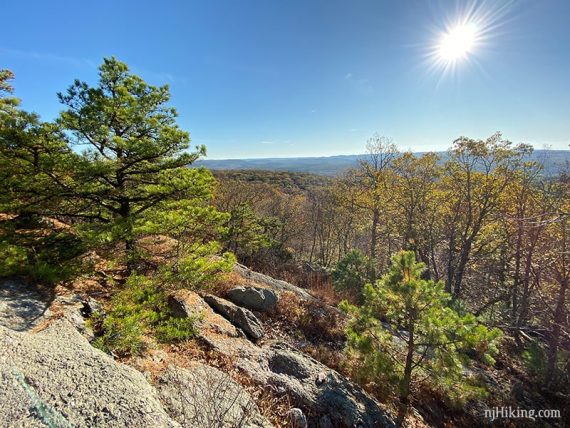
(363,153)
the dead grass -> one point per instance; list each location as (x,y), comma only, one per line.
(185,354)
(229,281)
(157,249)
(325,292)
(83,286)
(271,405)
(58,225)
(317,321)
(47,322)
(7,216)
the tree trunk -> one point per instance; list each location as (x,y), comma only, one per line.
(450,263)
(517,277)
(524,304)
(461,266)
(128,238)
(374,233)
(555,334)
(406,379)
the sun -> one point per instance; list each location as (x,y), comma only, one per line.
(457,43)
(461,42)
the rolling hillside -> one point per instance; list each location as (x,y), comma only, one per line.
(553,161)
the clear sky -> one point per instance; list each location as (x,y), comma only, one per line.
(276,78)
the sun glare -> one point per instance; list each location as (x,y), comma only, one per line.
(457,43)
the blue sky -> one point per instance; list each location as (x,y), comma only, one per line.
(303,78)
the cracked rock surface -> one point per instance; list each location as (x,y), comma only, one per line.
(56,378)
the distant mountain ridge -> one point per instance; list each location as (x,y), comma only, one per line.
(553,161)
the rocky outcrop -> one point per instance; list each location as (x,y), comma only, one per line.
(25,306)
(256,279)
(203,396)
(185,303)
(253,298)
(269,282)
(238,316)
(56,378)
(320,391)
(325,396)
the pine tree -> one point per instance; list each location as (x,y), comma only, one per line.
(7,101)
(352,272)
(134,155)
(405,332)
(31,153)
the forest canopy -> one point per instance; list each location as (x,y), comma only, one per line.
(485,221)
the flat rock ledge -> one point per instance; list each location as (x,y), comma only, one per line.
(56,378)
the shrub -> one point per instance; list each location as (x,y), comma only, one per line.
(352,272)
(320,322)
(210,398)
(121,335)
(199,268)
(535,357)
(140,308)
(175,330)
(313,320)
